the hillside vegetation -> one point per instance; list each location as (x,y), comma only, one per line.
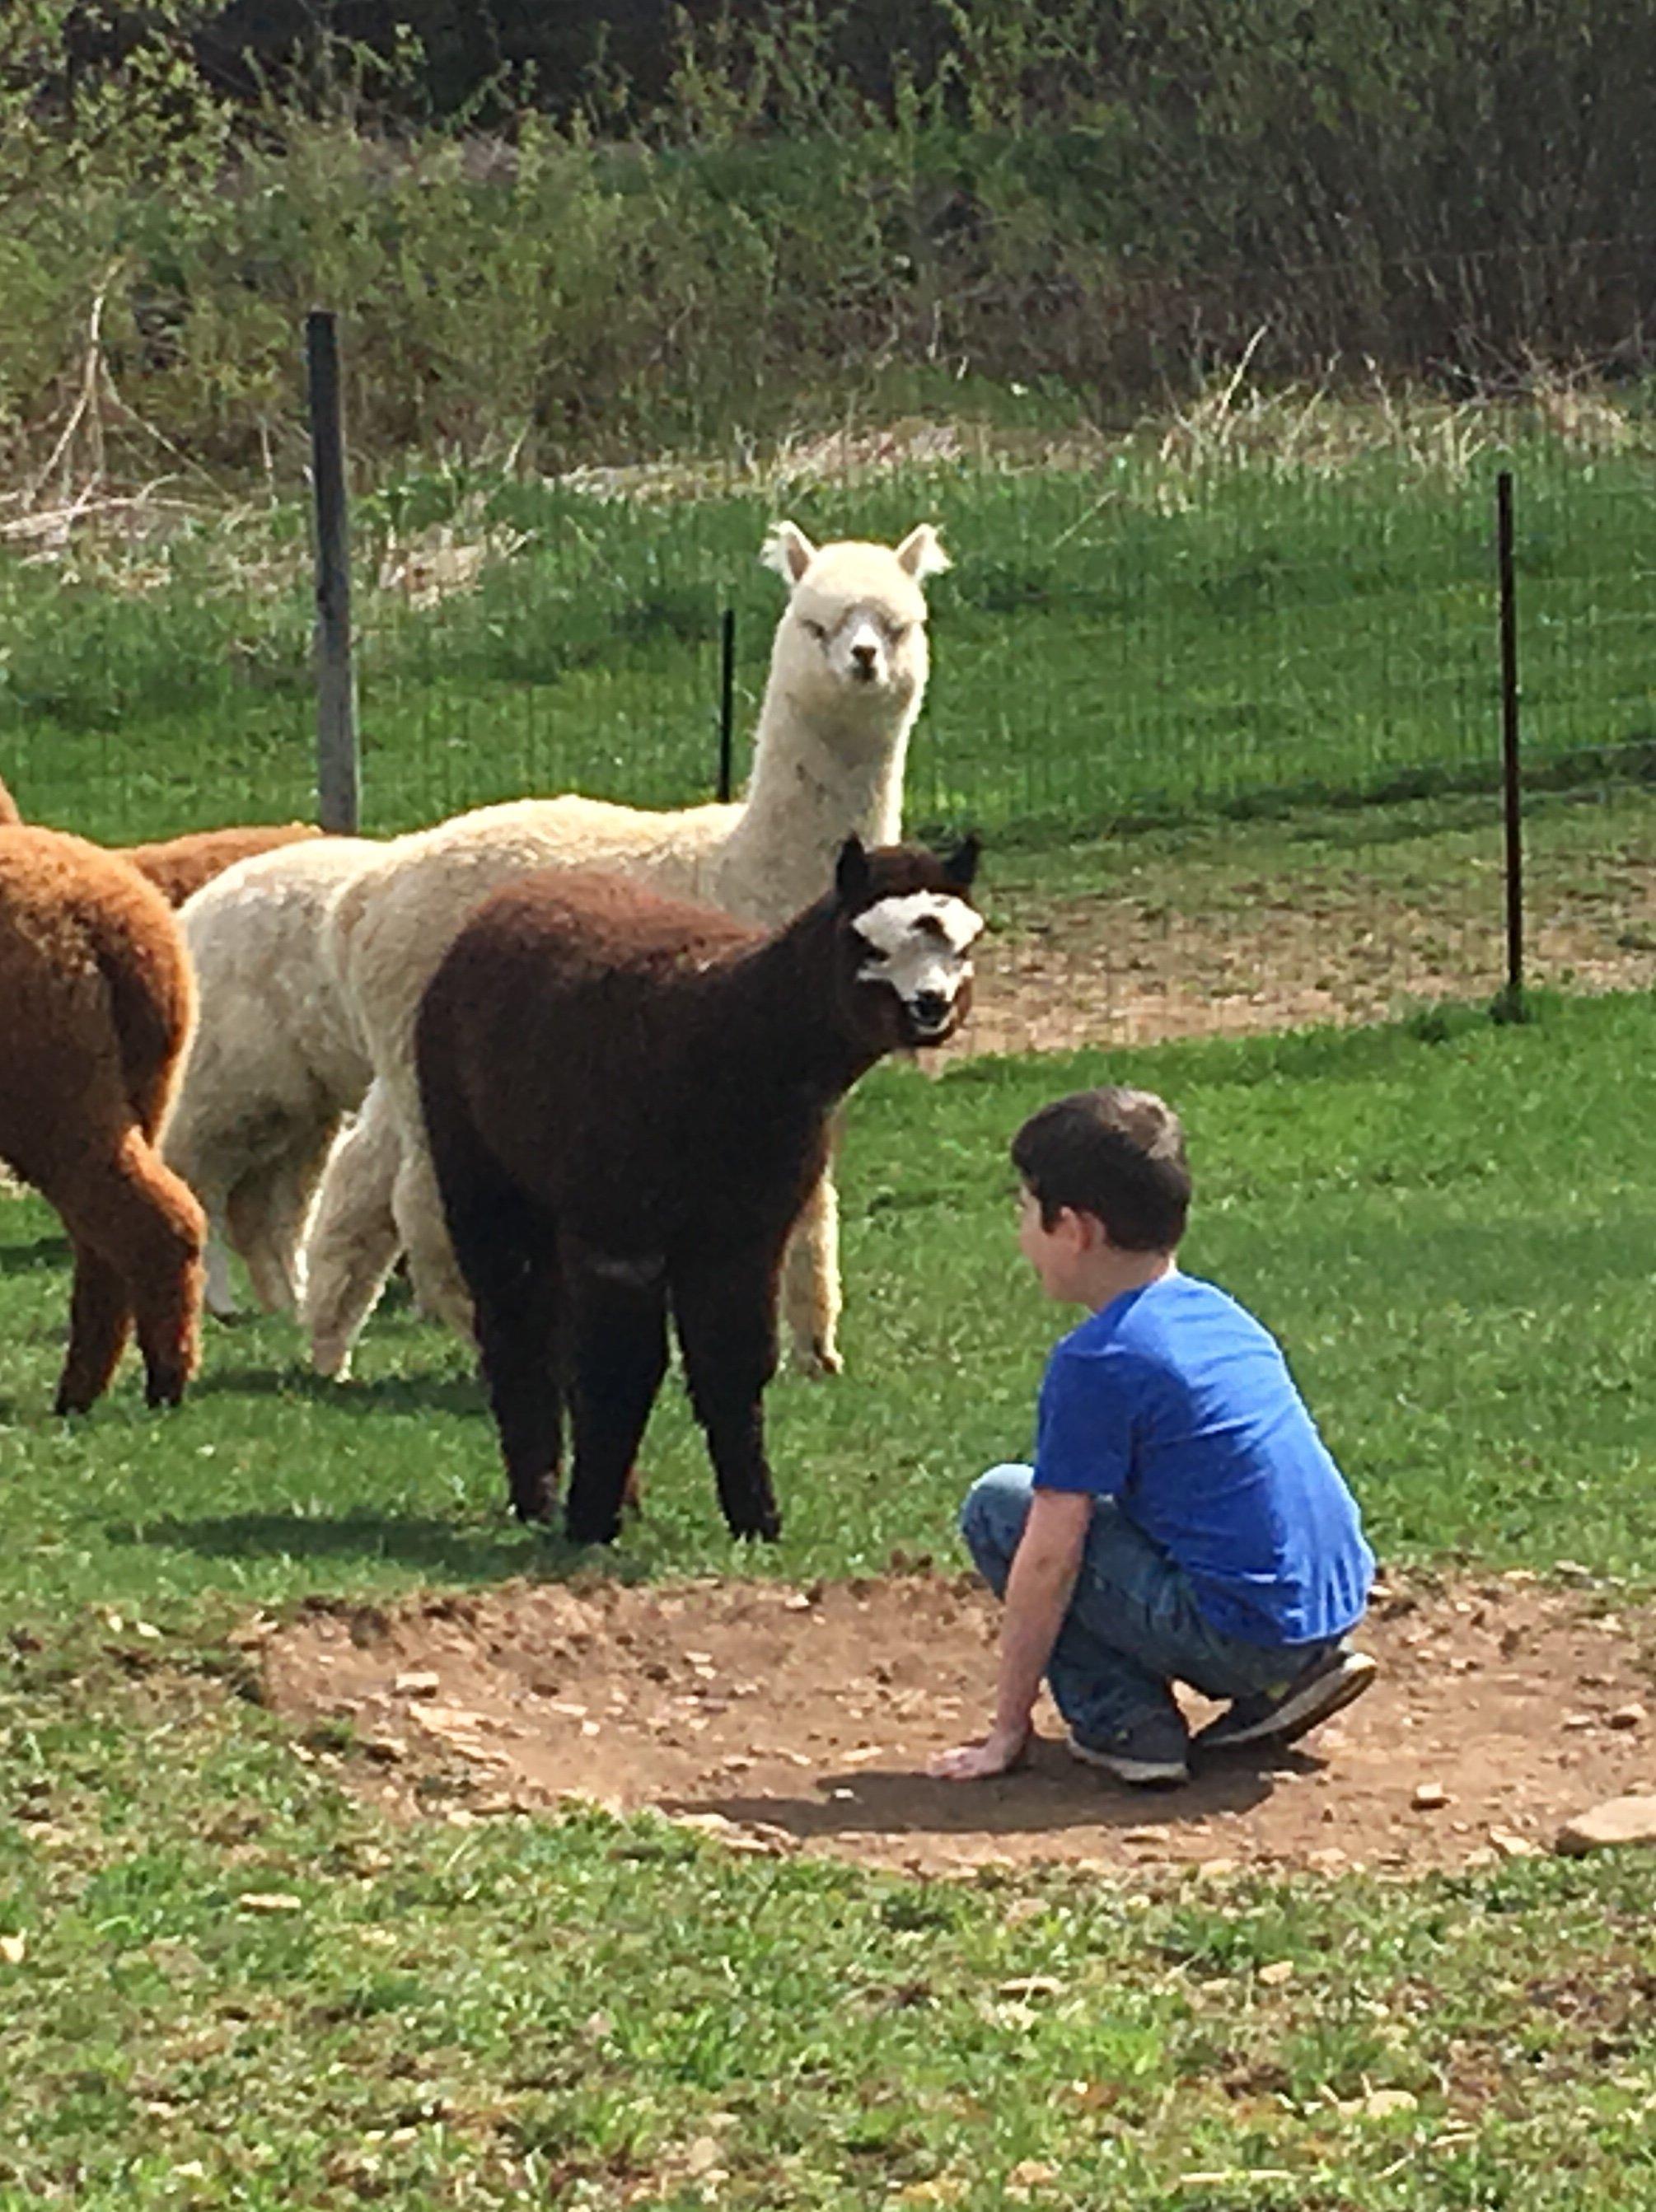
(795,210)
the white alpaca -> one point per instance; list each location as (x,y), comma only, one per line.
(275,1066)
(848,672)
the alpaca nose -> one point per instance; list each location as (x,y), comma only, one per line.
(930,1009)
(863,660)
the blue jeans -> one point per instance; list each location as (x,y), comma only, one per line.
(1133,1627)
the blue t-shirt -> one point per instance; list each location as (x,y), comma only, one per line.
(1176,1402)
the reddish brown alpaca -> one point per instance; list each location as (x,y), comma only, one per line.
(178,867)
(628,1100)
(98,1003)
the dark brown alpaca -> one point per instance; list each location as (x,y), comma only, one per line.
(178,866)
(628,1100)
(96,1001)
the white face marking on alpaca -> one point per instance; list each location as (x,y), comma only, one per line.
(920,946)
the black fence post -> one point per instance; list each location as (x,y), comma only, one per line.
(1510,779)
(338,770)
(727,697)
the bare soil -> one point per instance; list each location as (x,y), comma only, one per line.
(780,1718)
(1230,955)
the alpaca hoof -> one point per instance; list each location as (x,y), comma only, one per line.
(818,1359)
(534,1502)
(766,1529)
(591,1532)
(161,1392)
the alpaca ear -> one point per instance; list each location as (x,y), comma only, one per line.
(851,875)
(788,550)
(921,555)
(961,866)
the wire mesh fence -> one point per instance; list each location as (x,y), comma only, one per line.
(1227,703)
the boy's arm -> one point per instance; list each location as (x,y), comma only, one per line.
(1038,1594)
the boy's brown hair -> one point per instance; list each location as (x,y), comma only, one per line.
(1115,1153)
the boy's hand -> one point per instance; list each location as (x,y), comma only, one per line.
(998,1754)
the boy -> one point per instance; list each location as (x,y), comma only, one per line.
(1183,1520)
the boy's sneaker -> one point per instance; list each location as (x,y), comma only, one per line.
(1154,1754)
(1286,1711)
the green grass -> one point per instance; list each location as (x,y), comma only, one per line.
(1449,1223)
(1124,640)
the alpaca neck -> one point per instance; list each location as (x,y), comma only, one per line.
(780,1014)
(818,778)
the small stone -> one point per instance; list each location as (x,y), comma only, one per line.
(14,1949)
(387,1749)
(1029,2174)
(1618,1821)
(1572,1570)
(1330,1861)
(269,1900)
(1382,2104)
(1031,1985)
(1278,1972)
(1429,1797)
(1581,1720)
(1511,1845)
(1632,1716)
(419,1683)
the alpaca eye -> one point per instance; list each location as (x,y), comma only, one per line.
(898,631)
(818,630)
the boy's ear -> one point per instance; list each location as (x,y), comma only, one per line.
(1090,1235)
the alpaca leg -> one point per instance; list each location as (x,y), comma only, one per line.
(811,1293)
(144,1228)
(507,1255)
(220,1291)
(438,1279)
(206,1166)
(352,1242)
(517,1348)
(250,1232)
(726,1320)
(268,1210)
(167,1289)
(618,1354)
(99,1320)
(294,1182)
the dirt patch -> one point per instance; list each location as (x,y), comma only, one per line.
(787,1718)
(1133,965)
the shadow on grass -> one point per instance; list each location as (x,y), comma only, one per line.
(440,1548)
(443,1393)
(41,1251)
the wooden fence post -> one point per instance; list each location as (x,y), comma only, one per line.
(726,698)
(338,767)
(1512,783)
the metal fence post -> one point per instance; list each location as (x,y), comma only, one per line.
(338,771)
(1511,779)
(727,697)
